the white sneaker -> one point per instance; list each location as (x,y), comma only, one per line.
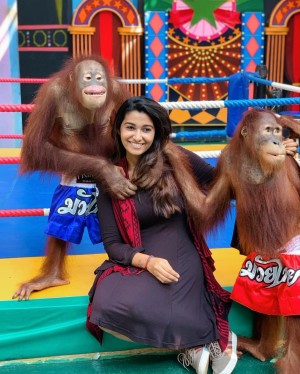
(198,358)
(224,362)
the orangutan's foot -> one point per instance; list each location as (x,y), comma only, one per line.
(253,347)
(38,284)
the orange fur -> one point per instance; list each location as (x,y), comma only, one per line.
(49,145)
(266,188)
(64,136)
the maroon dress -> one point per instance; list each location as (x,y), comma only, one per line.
(176,315)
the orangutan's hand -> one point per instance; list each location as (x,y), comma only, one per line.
(162,270)
(124,188)
(291,146)
(119,186)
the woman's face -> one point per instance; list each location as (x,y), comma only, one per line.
(137,134)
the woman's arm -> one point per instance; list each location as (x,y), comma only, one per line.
(124,254)
(118,251)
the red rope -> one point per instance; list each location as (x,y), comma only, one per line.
(16,108)
(23,80)
(11,136)
(9,160)
(23,212)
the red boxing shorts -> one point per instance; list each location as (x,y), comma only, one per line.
(271,286)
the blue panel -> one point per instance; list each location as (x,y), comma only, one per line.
(150,58)
(24,236)
(221,238)
(258,35)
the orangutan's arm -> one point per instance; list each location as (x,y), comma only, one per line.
(217,202)
(293,170)
(38,153)
(111,177)
(103,170)
(38,130)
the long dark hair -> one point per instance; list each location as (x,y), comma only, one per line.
(153,170)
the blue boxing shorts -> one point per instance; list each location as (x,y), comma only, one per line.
(74,207)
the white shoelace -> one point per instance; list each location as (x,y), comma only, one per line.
(186,359)
(215,349)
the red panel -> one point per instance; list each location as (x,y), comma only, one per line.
(117,50)
(96,36)
(107,41)
(292,56)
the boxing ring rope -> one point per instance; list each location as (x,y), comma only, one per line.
(24,212)
(281,86)
(11,136)
(23,80)
(206,104)
(173,105)
(16,108)
(129,81)
(253,77)
(9,160)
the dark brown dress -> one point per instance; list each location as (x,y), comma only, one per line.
(176,315)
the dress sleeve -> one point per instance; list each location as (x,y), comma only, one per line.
(118,251)
(203,171)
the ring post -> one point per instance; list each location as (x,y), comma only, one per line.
(260,90)
(238,89)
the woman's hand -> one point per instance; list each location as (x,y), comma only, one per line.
(291,146)
(162,270)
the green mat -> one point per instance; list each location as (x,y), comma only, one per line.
(146,364)
(56,327)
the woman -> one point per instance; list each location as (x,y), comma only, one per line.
(158,288)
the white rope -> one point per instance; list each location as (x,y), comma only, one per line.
(193,104)
(286,87)
(216,154)
(282,86)
(208,154)
(144,81)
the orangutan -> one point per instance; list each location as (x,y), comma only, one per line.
(253,169)
(69,132)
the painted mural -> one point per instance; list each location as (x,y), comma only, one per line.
(150,40)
